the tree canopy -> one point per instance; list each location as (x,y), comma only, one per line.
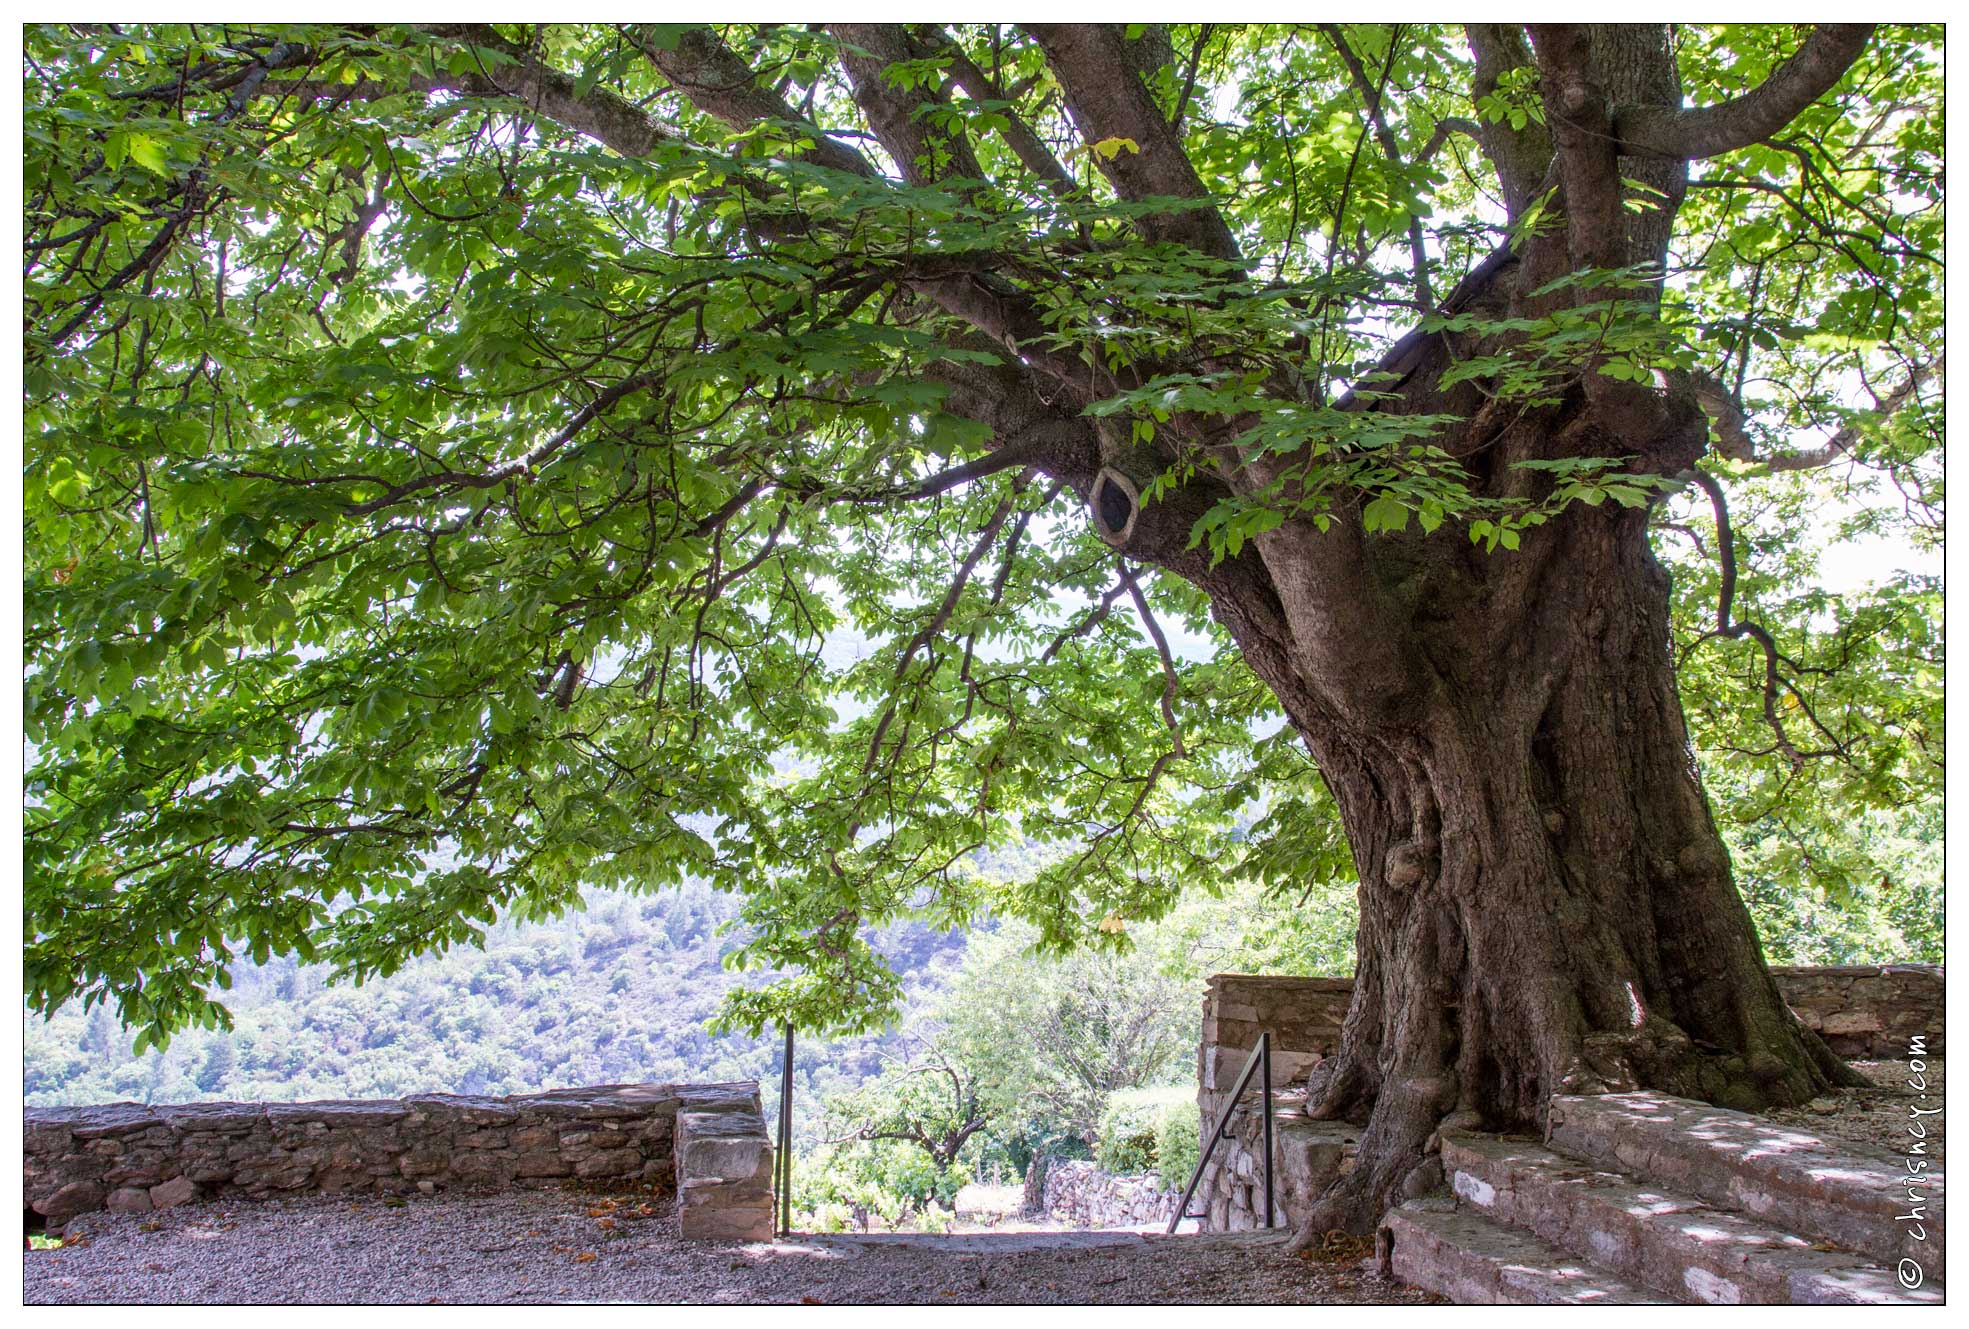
(465,463)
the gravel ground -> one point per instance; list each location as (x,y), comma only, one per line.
(1878,1116)
(555,1246)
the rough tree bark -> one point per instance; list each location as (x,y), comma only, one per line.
(1546,903)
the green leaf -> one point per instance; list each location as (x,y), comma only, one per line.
(147,153)
(1385,514)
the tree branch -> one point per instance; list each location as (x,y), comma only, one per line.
(922,151)
(1170,686)
(596,113)
(925,635)
(1370,92)
(1107,100)
(1734,441)
(1709,131)
(722,85)
(1520,155)
(1018,135)
(1589,166)
(520,465)
(1449,124)
(1736,629)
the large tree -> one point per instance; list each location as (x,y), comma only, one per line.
(469,462)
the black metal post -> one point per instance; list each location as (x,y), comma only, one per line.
(784,1163)
(1265,1094)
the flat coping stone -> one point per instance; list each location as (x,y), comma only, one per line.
(600,1103)
(734,1125)
(473,1109)
(1282,982)
(1470,1259)
(1856,970)
(730,1096)
(220,1118)
(108,1119)
(337,1112)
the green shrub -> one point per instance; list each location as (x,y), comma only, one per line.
(830,1216)
(1177,1143)
(1149,1130)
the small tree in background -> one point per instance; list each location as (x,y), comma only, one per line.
(926,1099)
(1050,1038)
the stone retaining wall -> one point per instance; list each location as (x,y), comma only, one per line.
(130,1157)
(1864,1012)
(1303,1016)
(1306,1156)
(1079,1193)
(1867,1012)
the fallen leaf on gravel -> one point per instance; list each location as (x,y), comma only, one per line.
(1337,1245)
(812,1301)
(150,1227)
(605,1224)
(586,1257)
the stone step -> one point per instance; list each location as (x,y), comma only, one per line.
(1462,1255)
(1656,1237)
(1847,1194)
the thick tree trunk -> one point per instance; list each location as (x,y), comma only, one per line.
(1546,904)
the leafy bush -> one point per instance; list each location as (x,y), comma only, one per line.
(1178,1143)
(886,1181)
(830,1216)
(1144,1130)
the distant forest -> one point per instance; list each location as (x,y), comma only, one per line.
(624,990)
(621,992)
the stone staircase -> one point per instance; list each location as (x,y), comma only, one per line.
(1644,1198)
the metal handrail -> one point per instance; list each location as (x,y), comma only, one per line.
(783,1154)
(1261,1061)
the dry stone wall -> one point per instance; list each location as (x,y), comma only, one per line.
(1867,1012)
(130,1157)
(1303,1016)
(1079,1193)
(1306,1157)
(1864,1012)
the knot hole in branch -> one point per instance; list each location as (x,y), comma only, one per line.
(1115,502)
